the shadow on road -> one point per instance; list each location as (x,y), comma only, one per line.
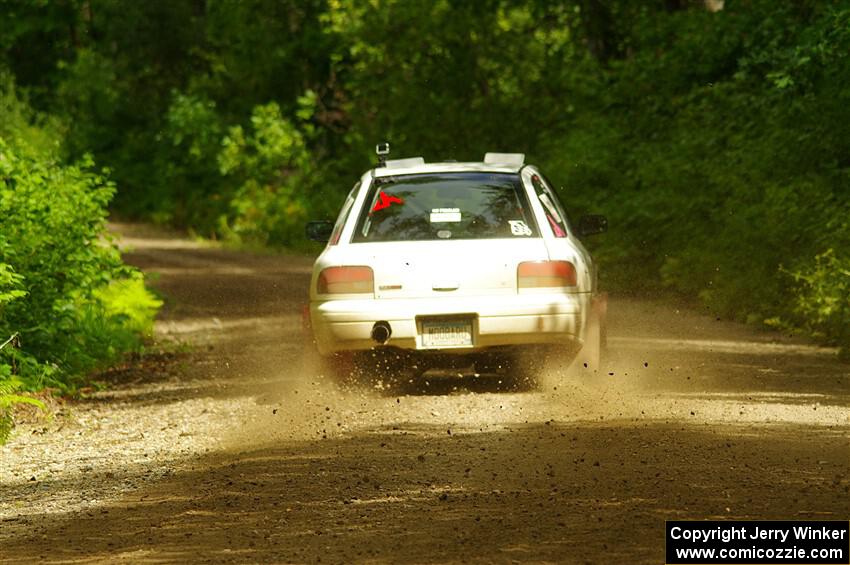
(554,492)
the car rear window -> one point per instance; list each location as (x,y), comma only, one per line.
(445,206)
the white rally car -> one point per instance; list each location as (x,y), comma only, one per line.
(455,265)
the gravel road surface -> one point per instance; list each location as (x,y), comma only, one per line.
(229,448)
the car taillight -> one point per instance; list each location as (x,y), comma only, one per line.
(537,274)
(346,280)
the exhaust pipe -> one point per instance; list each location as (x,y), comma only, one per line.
(381,332)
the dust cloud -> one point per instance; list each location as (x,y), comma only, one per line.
(652,375)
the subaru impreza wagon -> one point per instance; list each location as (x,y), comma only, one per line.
(467,266)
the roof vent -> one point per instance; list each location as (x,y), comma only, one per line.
(512,159)
(404,163)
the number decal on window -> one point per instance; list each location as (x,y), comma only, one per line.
(518,227)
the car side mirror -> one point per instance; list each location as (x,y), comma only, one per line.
(592,224)
(319,231)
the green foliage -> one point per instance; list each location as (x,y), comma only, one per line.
(82,306)
(716,141)
(64,292)
(127,303)
(10,290)
(188,189)
(34,133)
(822,301)
(719,149)
(271,166)
(9,386)
(10,285)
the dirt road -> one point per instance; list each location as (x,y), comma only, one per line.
(232,452)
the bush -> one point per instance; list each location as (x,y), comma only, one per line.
(9,386)
(10,290)
(822,301)
(719,150)
(82,307)
(63,287)
(270,168)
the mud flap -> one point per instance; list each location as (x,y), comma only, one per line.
(591,358)
(599,309)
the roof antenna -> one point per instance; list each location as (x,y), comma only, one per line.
(382,150)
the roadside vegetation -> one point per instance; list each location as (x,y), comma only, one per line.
(67,303)
(715,135)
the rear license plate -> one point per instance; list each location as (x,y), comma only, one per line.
(446,333)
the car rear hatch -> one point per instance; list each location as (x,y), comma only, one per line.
(447,268)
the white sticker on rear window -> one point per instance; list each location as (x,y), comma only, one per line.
(440,215)
(518,227)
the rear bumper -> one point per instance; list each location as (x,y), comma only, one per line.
(503,320)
